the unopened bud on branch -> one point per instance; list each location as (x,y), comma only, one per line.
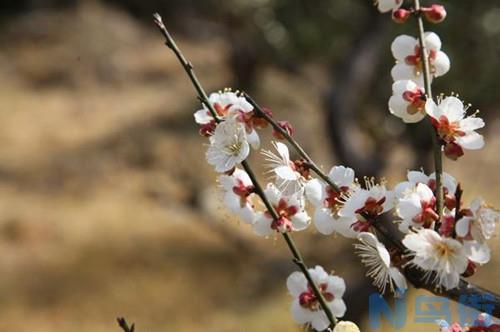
(434,13)
(401,15)
(286,126)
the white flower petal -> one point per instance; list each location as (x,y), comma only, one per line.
(202,116)
(462,226)
(338,307)
(262,226)
(403,46)
(299,314)
(477,252)
(441,64)
(319,321)
(432,41)
(323,221)
(471,141)
(300,221)
(471,123)
(296,283)
(315,192)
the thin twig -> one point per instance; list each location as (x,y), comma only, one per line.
(123,324)
(297,257)
(438,158)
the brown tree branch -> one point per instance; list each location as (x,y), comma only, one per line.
(123,324)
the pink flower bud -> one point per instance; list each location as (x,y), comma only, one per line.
(434,13)
(453,151)
(285,125)
(401,15)
(471,269)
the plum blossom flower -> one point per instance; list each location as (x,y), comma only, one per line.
(238,193)
(385,6)
(228,146)
(290,176)
(229,105)
(477,225)
(366,204)
(416,207)
(305,307)
(409,62)
(456,131)
(433,253)
(290,209)
(416,177)
(327,203)
(378,261)
(407,101)
(479,222)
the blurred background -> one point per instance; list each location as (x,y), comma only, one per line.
(107,206)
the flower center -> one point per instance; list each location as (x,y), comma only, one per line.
(416,99)
(443,250)
(417,61)
(428,215)
(332,199)
(308,299)
(243,191)
(285,212)
(372,208)
(234,148)
(447,130)
(222,111)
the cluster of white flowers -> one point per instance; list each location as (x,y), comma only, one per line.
(446,252)
(446,244)
(456,130)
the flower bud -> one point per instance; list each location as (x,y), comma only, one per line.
(346,326)
(471,269)
(434,13)
(453,151)
(285,125)
(401,15)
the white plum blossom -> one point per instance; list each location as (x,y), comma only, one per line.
(228,105)
(290,209)
(306,308)
(228,146)
(238,191)
(476,226)
(365,205)
(416,207)
(416,177)
(446,257)
(407,101)
(409,62)
(327,203)
(455,130)
(385,6)
(479,223)
(287,173)
(377,259)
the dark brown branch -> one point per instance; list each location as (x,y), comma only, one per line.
(202,96)
(123,324)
